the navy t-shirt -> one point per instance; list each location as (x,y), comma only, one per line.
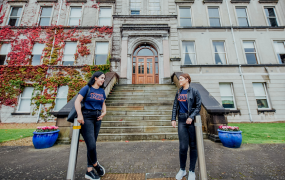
(95,99)
(183,103)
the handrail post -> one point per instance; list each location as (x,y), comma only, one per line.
(73,150)
(200,148)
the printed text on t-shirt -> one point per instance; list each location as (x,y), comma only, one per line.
(182,98)
(96,96)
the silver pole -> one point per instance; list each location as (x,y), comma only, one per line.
(200,148)
(73,150)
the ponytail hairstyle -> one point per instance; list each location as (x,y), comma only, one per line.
(186,76)
(92,80)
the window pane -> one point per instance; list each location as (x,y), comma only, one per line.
(27,93)
(189,58)
(70,48)
(251,58)
(102,48)
(62,92)
(248,46)
(213,12)
(68,63)
(5,48)
(220,58)
(44,21)
(74,21)
(185,12)
(38,48)
(228,102)
(134,12)
(270,12)
(104,21)
(36,60)
(272,22)
(68,58)
(105,12)
(279,47)
(188,47)
(14,21)
(215,22)
(241,12)
(100,59)
(2,59)
(134,68)
(59,104)
(16,11)
(156,68)
(46,11)
(219,46)
(25,105)
(145,52)
(242,22)
(262,103)
(225,89)
(75,12)
(258,89)
(185,22)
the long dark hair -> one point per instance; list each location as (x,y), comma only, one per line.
(92,80)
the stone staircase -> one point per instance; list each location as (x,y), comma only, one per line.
(139,112)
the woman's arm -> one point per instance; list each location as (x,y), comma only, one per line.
(77,105)
(104,111)
(174,111)
(198,105)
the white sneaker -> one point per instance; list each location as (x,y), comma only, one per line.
(191,175)
(180,174)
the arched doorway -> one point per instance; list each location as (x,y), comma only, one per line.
(145,65)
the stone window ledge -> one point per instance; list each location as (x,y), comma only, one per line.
(265,110)
(237,111)
(184,1)
(19,113)
(175,59)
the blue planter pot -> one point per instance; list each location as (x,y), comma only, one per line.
(44,139)
(230,139)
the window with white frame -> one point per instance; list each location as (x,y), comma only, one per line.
(185,16)
(75,16)
(227,95)
(261,95)
(105,15)
(214,16)
(188,50)
(101,52)
(37,53)
(135,7)
(220,52)
(242,16)
(45,16)
(25,100)
(271,16)
(250,52)
(280,50)
(5,49)
(61,98)
(15,15)
(154,7)
(68,54)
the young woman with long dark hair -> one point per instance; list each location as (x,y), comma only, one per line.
(187,104)
(90,119)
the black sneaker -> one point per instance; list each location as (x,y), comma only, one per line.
(91,175)
(100,169)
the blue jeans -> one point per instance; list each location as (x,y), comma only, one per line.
(187,137)
(90,130)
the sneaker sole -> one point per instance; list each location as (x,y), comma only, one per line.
(88,177)
(102,168)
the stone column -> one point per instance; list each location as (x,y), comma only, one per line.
(166,66)
(124,60)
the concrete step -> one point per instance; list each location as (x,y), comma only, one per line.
(136,117)
(156,88)
(124,123)
(139,112)
(138,129)
(140,101)
(137,136)
(153,105)
(123,108)
(139,98)
(171,96)
(145,85)
(143,93)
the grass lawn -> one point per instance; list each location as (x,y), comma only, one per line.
(14,134)
(261,133)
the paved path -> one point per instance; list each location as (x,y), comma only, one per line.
(260,162)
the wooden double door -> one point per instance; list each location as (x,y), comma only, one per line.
(145,70)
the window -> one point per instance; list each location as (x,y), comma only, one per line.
(185,16)
(242,16)
(105,15)
(75,16)
(5,49)
(271,16)
(61,98)
(260,95)
(154,7)
(15,14)
(135,7)
(25,100)
(214,16)
(69,51)
(45,16)
(280,50)
(101,52)
(37,53)
(189,56)
(250,52)
(220,53)
(227,95)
